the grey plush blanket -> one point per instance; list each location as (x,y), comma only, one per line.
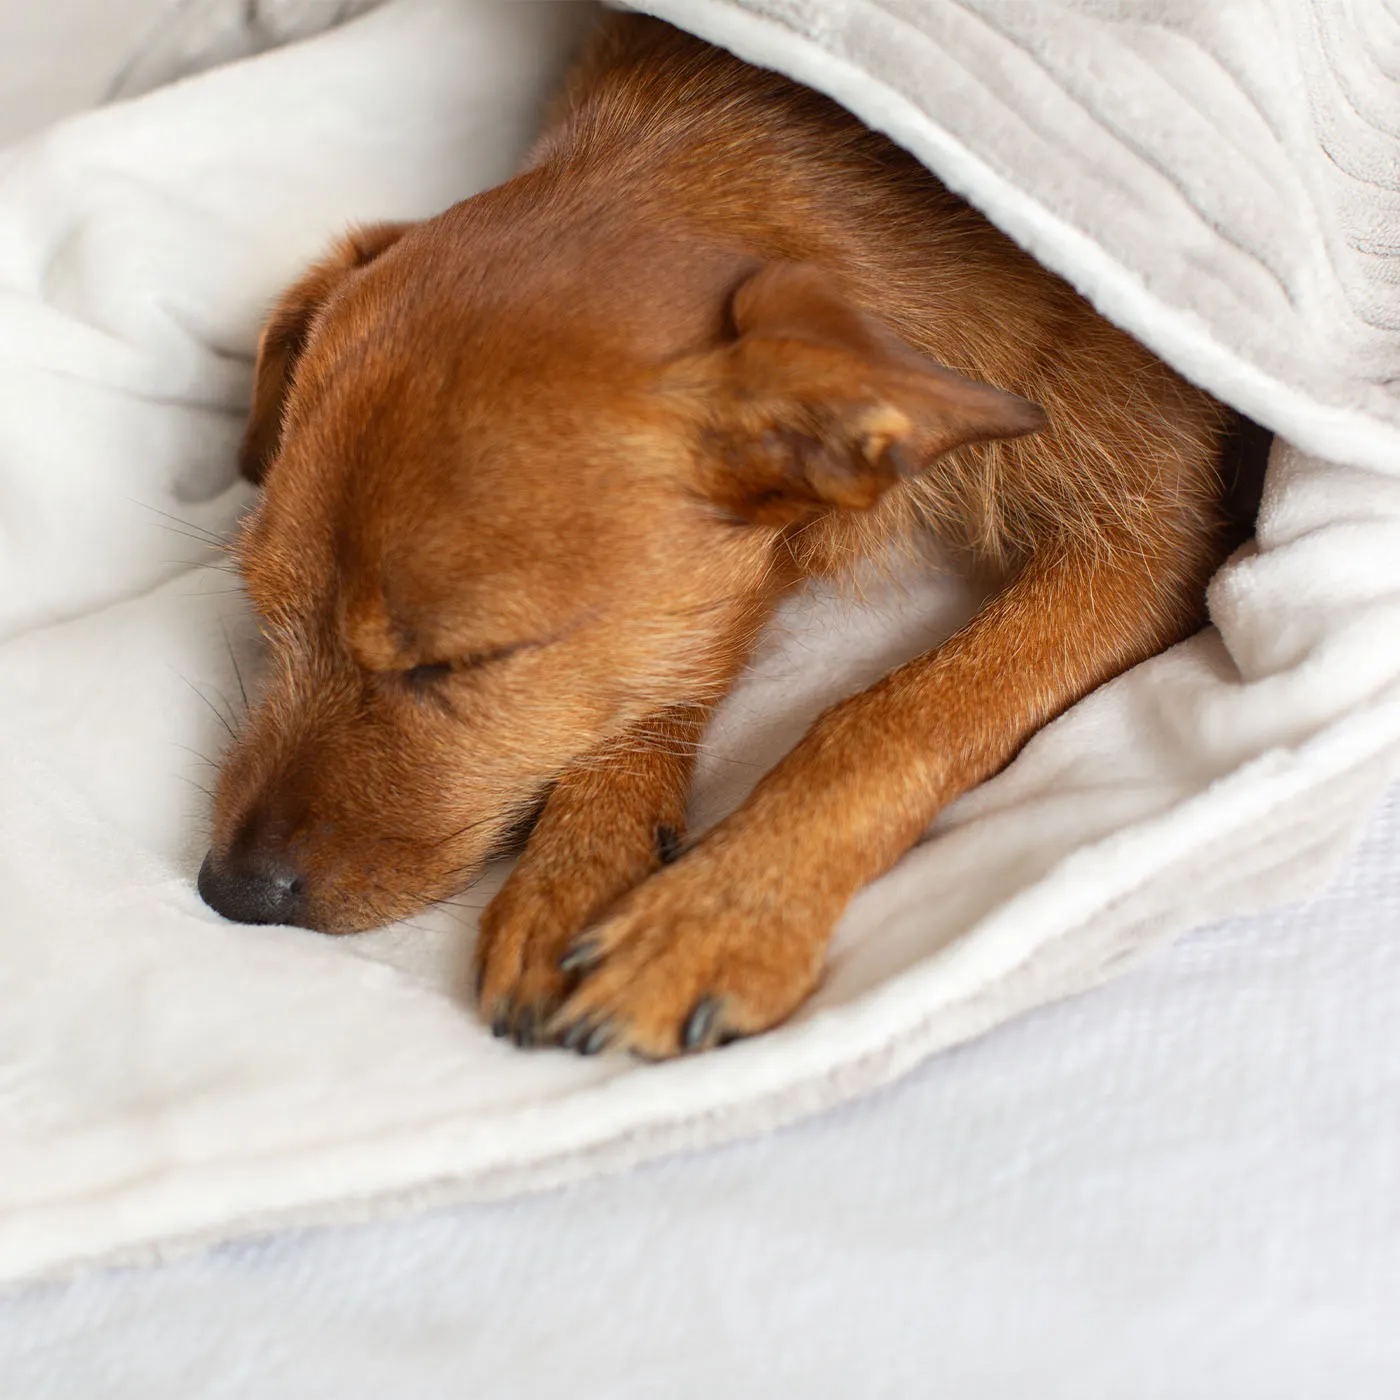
(1220,177)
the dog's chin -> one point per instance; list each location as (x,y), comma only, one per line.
(339,910)
(340,918)
(345,922)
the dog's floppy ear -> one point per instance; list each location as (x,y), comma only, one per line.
(284,338)
(819,406)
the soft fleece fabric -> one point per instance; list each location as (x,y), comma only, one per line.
(1180,1187)
(165,1077)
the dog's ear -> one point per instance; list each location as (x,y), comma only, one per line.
(819,406)
(284,338)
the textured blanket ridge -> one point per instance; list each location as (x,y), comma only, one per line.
(167,1078)
(1221,179)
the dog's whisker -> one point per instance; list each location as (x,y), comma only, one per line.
(187,535)
(218,714)
(203,758)
(238,674)
(187,565)
(211,536)
(234,724)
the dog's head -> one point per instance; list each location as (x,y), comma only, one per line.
(516,500)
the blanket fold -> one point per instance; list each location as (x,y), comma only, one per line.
(1221,180)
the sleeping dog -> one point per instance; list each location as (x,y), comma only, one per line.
(537,471)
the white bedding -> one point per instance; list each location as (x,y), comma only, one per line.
(168,1078)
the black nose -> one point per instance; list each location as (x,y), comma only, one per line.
(251,891)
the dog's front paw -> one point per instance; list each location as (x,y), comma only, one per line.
(701,954)
(610,822)
(553,892)
(524,932)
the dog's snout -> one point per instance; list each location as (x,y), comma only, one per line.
(252,890)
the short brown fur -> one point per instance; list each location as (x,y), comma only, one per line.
(538,470)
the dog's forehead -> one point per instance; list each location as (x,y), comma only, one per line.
(428,536)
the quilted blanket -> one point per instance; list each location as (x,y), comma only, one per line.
(1221,179)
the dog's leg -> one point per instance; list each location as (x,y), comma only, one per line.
(730,939)
(610,821)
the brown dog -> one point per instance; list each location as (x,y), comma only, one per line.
(538,470)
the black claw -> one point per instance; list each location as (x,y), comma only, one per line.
(668,844)
(579,956)
(525,1029)
(699,1022)
(576,1034)
(500,1023)
(598,1040)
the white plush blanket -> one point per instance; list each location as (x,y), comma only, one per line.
(165,1077)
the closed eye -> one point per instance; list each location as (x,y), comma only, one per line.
(428,675)
(434,672)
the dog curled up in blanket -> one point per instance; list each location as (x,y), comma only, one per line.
(536,473)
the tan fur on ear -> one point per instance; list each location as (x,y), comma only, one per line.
(820,406)
(284,337)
